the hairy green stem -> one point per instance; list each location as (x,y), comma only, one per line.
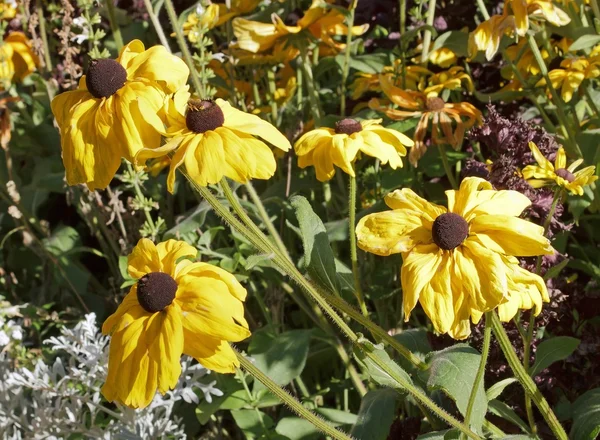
(114,26)
(313,95)
(187,56)
(157,26)
(272,91)
(292,403)
(447,168)
(348,50)
(483,9)
(42,21)
(427,35)
(487,337)
(353,252)
(526,381)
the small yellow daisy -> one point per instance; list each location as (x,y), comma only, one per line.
(325,147)
(176,307)
(544,173)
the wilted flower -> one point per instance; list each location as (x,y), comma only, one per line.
(17,59)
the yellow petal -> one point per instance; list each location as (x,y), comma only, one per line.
(406,198)
(170,251)
(540,158)
(436,297)
(246,157)
(504,202)
(157,64)
(472,193)
(308,141)
(212,353)
(144,258)
(125,307)
(561,159)
(418,267)
(205,158)
(209,271)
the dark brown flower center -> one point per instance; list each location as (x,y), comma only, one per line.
(565,174)
(203,115)
(347,126)
(104,78)
(155,291)
(449,231)
(435,104)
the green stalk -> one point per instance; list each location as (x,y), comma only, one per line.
(596,10)
(187,56)
(487,336)
(313,96)
(523,376)
(272,90)
(447,168)
(292,403)
(353,253)
(42,21)
(140,195)
(346,67)
(157,26)
(114,26)
(591,102)
(483,9)
(427,35)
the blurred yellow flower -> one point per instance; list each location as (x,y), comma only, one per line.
(486,37)
(544,173)
(213,139)
(176,307)
(101,121)
(415,78)
(8,9)
(17,59)
(458,262)
(442,115)
(213,15)
(325,147)
(571,74)
(451,79)
(523,10)
(442,57)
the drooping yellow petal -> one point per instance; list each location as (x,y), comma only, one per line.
(472,193)
(212,353)
(206,270)
(205,158)
(144,258)
(406,198)
(170,251)
(436,297)
(418,268)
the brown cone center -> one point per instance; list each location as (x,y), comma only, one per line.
(203,115)
(347,126)
(435,104)
(155,291)
(565,174)
(104,78)
(449,231)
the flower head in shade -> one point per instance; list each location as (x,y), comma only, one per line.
(177,306)
(545,173)
(101,121)
(486,37)
(213,140)
(448,126)
(524,10)
(325,147)
(459,261)
(571,74)
(17,59)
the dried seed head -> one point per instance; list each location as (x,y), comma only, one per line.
(449,231)
(435,104)
(155,291)
(203,115)
(347,126)
(105,77)
(565,174)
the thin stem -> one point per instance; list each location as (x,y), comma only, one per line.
(427,35)
(353,252)
(313,95)
(187,56)
(157,26)
(447,168)
(487,336)
(140,195)
(42,21)
(483,9)
(292,403)
(346,66)
(596,10)
(114,26)
(272,91)
(591,102)
(528,384)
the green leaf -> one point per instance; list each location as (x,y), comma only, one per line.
(296,428)
(194,219)
(495,390)
(376,415)
(553,350)
(586,419)
(253,423)
(285,359)
(584,42)
(415,339)
(501,409)
(456,41)
(62,240)
(376,373)
(370,63)
(453,371)
(448,434)
(318,256)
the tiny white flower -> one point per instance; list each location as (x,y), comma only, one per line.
(4,339)
(17,333)
(81,23)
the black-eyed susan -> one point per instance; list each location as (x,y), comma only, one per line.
(17,59)
(8,9)
(545,173)
(524,10)
(456,261)
(486,37)
(176,307)
(101,122)
(213,139)
(325,147)
(571,74)
(441,113)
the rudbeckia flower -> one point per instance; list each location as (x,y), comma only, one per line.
(544,173)
(523,10)
(325,147)
(101,122)
(415,78)
(451,79)
(8,9)
(177,306)
(486,37)
(213,139)
(17,59)
(571,74)
(442,115)
(458,262)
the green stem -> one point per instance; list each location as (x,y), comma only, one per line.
(487,336)
(523,376)
(157,26)
(114,26)
(292,403)
(140,195)
(313,96)
(187,56)
(272,90)
(596,10)
(447,168)
(427,35)
(353,252)
(591,102)
(42,21)
(483,9)
(346,66)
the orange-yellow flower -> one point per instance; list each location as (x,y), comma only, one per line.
(17,59)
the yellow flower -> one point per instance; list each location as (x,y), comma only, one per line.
(325,147)
(8,10)
(415,78)
(200,20)
(451,79)
(458,262)
(101,121)
(176,307)
(17,59)
(523,10)
(322,23)
(442,115)
(544,173)
(213,139)
(442,57)
(486,37)
(571,75)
